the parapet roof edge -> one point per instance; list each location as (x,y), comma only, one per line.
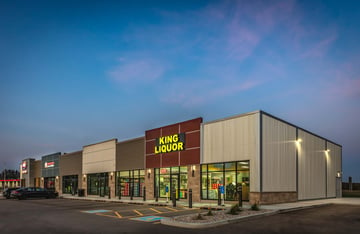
(113,139)
(232,117)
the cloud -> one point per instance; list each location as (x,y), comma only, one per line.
(204,91)
(320,48)
(137,70)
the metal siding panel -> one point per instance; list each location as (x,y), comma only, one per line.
(312,181)
(279,156)
(331,170)
(234,140)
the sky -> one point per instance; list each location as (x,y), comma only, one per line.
(73,73)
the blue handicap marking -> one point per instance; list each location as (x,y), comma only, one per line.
(96,211)
(148,218)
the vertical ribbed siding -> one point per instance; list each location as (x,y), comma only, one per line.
(312,167)
(279,156)
(334,166)
(234,139)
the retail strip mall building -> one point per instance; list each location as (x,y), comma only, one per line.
(270,159)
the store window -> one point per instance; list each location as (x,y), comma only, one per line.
(170,179)
(70,184)
(230,175)
(98,184)
(49,183)
(130,183)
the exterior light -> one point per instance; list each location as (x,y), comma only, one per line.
(111,175)
(338,174)
(84,177)
(57,177)
(149,173)
(193,167)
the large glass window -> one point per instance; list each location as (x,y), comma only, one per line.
(98,184)
(49,183)
(170,179)
(70,184)
(130,183)
(230,175)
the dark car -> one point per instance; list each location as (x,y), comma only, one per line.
(33,192)
(7,192)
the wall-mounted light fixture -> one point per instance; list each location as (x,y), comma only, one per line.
(57,178)
(42,178)
(111,175)
(338,174)
(84,177)
(193,167)
(149,173)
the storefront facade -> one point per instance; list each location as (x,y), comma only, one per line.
(50,172)
(70,173)
(266,158)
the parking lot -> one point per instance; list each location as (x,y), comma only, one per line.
(81,216)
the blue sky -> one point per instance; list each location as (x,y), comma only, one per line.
(78,72)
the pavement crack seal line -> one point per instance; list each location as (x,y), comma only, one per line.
(118,215)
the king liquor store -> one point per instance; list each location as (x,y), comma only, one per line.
(269,159)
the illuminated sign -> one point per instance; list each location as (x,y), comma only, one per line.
(24,167)
(166,144)
(49,164)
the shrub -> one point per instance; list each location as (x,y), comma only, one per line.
(234,209)
(198,217)
(209,213)
(255,206)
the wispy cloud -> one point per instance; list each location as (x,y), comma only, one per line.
(320,48)
(137,70)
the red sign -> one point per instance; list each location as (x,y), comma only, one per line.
(215,186)
(49,164)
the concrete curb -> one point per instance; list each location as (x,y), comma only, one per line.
(171,222)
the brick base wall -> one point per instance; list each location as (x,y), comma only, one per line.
(272,197)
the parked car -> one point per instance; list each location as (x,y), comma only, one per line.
(7,192)
(33,192)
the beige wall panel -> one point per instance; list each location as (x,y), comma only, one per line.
(71,164)
(312,167)
(99,157)
(234,139)
(278,156)
(130,154)
(334,166)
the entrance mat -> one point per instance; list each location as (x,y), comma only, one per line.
(97,211)
(148,218)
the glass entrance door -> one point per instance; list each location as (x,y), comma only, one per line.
(174,186)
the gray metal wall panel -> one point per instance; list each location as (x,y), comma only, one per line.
(234,139)
(278,156)
(312,167)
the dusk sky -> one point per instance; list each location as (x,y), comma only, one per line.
(75,73)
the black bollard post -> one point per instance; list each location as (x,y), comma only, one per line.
(120,193)
(156,195)
(109,192)
(190,198)
(239,190)
(144,193)
(131,193)
(219,196)
(174,198)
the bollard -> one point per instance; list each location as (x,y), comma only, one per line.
(219,196)
(131,193)
(120,193)
(239,190)
(144,193)
(109,193)
(156,196)
(173,198)
(190,198)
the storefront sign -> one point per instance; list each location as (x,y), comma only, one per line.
(49,164)
(170,143)
(24,167)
